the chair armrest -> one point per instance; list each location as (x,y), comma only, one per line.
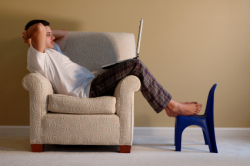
(124,94)
(39,88)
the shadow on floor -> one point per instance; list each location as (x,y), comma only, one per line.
(81,148)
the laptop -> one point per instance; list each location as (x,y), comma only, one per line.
(137,50)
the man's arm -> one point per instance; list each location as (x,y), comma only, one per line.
(37,34)
(61,37)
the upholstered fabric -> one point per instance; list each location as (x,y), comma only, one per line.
(69,104)
(80,129)
(39,88)
(124,94)
(91,50)
(95,49)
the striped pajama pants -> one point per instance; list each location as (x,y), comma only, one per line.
(153,92)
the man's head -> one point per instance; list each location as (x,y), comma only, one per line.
(49,37)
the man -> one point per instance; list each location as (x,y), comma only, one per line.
(69,78)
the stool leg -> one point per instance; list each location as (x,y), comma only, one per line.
(212,138)
(177,138)
(205,138)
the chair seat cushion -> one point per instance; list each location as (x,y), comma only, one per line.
(75,105)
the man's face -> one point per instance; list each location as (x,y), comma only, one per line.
(49,38)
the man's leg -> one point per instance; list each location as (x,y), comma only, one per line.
(154,93)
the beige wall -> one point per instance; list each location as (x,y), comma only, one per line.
(187,44)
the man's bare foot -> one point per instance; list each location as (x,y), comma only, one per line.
(173,109)
(193,102)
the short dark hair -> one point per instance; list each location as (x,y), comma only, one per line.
(45,23)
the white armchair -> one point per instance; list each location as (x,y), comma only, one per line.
(68,120)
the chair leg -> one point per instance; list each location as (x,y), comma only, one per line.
(37,147)
(177,138)
(125,148)
(212,138)
(205,138)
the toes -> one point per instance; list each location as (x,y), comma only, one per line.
(198,106)
(198,110)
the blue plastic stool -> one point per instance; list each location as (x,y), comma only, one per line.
(206,122)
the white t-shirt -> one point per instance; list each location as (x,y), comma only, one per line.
(65,76)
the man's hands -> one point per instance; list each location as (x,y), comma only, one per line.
(26,38)
(36,34)
(60,37)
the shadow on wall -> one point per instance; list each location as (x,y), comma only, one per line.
(14,99)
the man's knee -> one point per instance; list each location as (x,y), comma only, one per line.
(140,63)
(137,61)
(137,64)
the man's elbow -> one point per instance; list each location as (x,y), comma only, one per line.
(39,29)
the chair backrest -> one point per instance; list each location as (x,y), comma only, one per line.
(209,112)
(95,49)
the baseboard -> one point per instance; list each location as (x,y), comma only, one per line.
(24,130)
